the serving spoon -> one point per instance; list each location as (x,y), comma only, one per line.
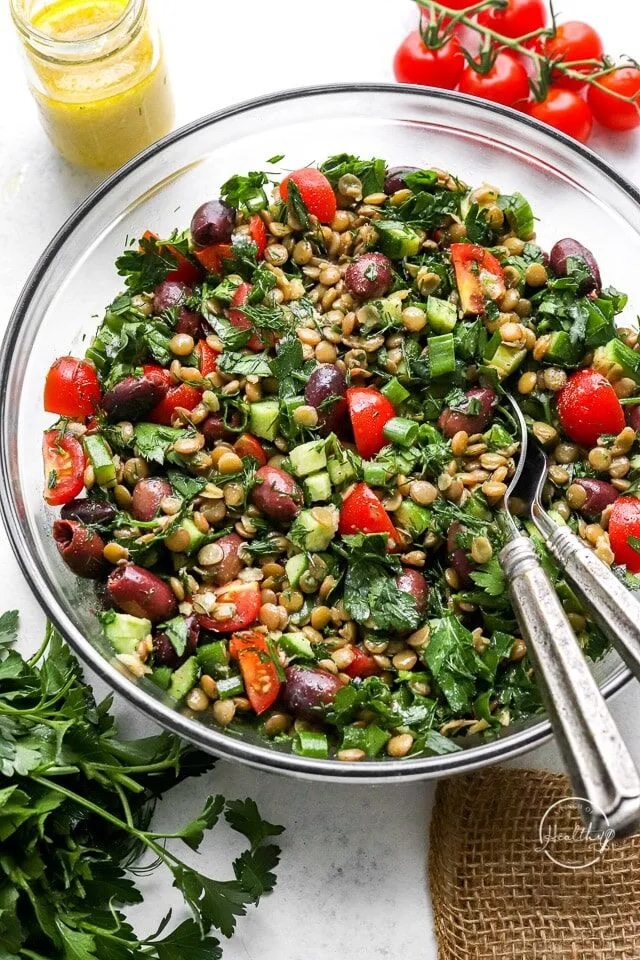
(599,765)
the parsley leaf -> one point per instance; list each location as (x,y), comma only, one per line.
(244,818)
(371,173)
(153,440)
(246,193)
(245,365)
(370,590)
(490,578)
(147,264)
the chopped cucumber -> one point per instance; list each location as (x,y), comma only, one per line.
(308,458)
(519,214)
(561,350)
(101,460)
(618,352)
(230,687)
(196,537)
(184,678)
(441,314)
(340,472)
(263,419)
(214,658)
(397,240)
(295,567)
(314,529)
(318,487)
(161,676)
(296,645)
(506,359)
(412,517)
(123,631)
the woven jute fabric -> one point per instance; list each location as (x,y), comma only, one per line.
(498,894)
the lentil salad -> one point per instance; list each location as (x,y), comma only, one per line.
(290,434)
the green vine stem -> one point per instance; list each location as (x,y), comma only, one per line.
(445,19)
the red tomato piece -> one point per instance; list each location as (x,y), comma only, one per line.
(573,41)
(212,258)
(414,62)
(71,388)
(244,597)
(239,320)
(258,670)
(362,664)
(588,407)
(369,411)
(186,271)
(258,233)
(207,358)
(315,190)
(624,522)
(609,110)
(182,395)
(565,110)
(479,276)
(517,19)
(64,466)
(362,512)
(249,446)
(506,82)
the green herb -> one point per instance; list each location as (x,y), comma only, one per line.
(75,816)
(152,440)
(245,365)
(454,662)
(177,631)
(148,264)
(246,193)
(278,157)
(296,205)
(370,590)
(287,366)
(371,173)
(490,578)
(185,486)
(478,228)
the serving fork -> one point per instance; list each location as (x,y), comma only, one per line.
(600,767)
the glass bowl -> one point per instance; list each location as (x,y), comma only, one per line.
(573,191)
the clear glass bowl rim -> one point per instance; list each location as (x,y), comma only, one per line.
(202,736)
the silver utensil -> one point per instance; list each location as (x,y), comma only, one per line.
(599,765)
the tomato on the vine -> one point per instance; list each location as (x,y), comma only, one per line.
(573,41)
(517,19)
(610,110)
(566,111)
(414,62)
(505,82)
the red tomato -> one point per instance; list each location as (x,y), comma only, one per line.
(64,466)
(249,446)
(71,388)
(185,271)
(573,41)
(208,357)
(362,512)
(258,233)
(244,597)
(239,320)
(506,82)
(624,522)
(479,276)
(610,111)
(517,19)
(362,664)
(588,407)
(315,190)
(369,411)
(414,62)
(566,111)
(180,395)
(212,258)
(258,670)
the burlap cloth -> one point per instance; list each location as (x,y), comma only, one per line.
(498,895)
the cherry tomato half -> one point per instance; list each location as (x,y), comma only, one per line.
(180,395)
(506,82)
(624,522)
(362,664)
(414,62)
(573,41)
(240,320)
(64,466)
(315,190)
(258,233)
(479,276)
(244,597)
(207,358)
(517,19)
(610,111)
(588,407)
(369,411)
(71,388)
(258,670)
(185,272)
(249,446)
(212,258)
(566,111)
(362,512)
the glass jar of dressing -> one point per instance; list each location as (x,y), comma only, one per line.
(98,75)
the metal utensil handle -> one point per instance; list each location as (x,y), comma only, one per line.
(596,758)
(612,606)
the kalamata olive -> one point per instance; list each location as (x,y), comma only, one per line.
(568,248)
(192,323)
(458,559)
(452,421)
(169,294)
(412,582)
(133,397)
(307,691)
(164,653)
(599,495)
(80,548)
(213,222)
(214,429)
(369,275)
(324,382)
(395,179)
(230,565)
(141,593)
(147,496)
(277,494)
(632,413)
(88,511)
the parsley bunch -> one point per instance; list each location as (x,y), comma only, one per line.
(75,817)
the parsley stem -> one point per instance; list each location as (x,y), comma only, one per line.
(125,805)
(49,631)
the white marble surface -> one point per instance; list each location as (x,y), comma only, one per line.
(352,881)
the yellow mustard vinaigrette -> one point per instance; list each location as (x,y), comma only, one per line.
(98,75)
